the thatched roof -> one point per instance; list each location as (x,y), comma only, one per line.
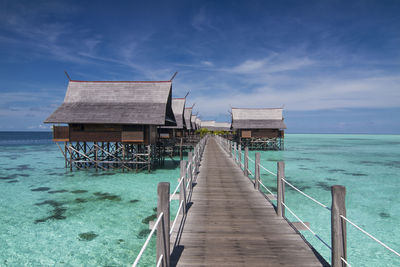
(198,123)
(193,122)
(116,102)
(257,118)
(188,116)
(178,107)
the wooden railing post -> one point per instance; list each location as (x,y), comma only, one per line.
(163,242)
(235,148)
(257,171)
(246,162)
(230,149)
(281,189)
(182,189)
(240,155)
(190,158)
(338,226)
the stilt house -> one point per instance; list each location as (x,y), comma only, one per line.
(177,131)
(198,123)
(189,125)
(259,128)
(112,123)
(193,122)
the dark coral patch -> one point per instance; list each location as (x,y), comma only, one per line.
(41,189)
(57,212)
(149,218)
(13,181)
(89,236)
(324,186)
(57,191)
(107,196)
(393,163)
(384,215)
(9,177)
(103,174)
(79,191)
(143,233)
(80,200)
(133,200)
(355,174)
(52,203)
(23,167)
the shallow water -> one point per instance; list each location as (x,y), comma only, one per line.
(367,165)
(51,216)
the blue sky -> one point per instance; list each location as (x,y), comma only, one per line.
(333,65)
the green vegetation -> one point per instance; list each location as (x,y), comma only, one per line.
(205,131)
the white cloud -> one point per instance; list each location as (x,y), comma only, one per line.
(316,94)
(207,63)
(271,64)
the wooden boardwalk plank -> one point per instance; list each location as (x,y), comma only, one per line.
(231,224)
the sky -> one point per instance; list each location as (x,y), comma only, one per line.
(334,66)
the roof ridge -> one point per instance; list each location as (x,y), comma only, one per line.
(256,108)
(119,81)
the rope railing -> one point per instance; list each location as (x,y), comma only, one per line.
(304,194)
(305,225)
(370,236)
(176,218)
(345,262)
(269,191)
(147,240)
(176,188)
(160,260)
(265,169)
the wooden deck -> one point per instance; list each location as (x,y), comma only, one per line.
(231,224)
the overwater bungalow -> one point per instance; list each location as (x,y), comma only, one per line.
(188,116)
(193,122)
(112,124)
(259,128)
(177,131)
(198,123)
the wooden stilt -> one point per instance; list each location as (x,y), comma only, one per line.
(95,156)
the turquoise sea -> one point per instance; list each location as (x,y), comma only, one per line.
(367,165)
(52,217)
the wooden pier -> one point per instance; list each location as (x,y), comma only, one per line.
(229,223)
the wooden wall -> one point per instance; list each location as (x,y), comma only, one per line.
(261,133)
(138,134)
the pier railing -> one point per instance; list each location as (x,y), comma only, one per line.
(188,176)
(338,244)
